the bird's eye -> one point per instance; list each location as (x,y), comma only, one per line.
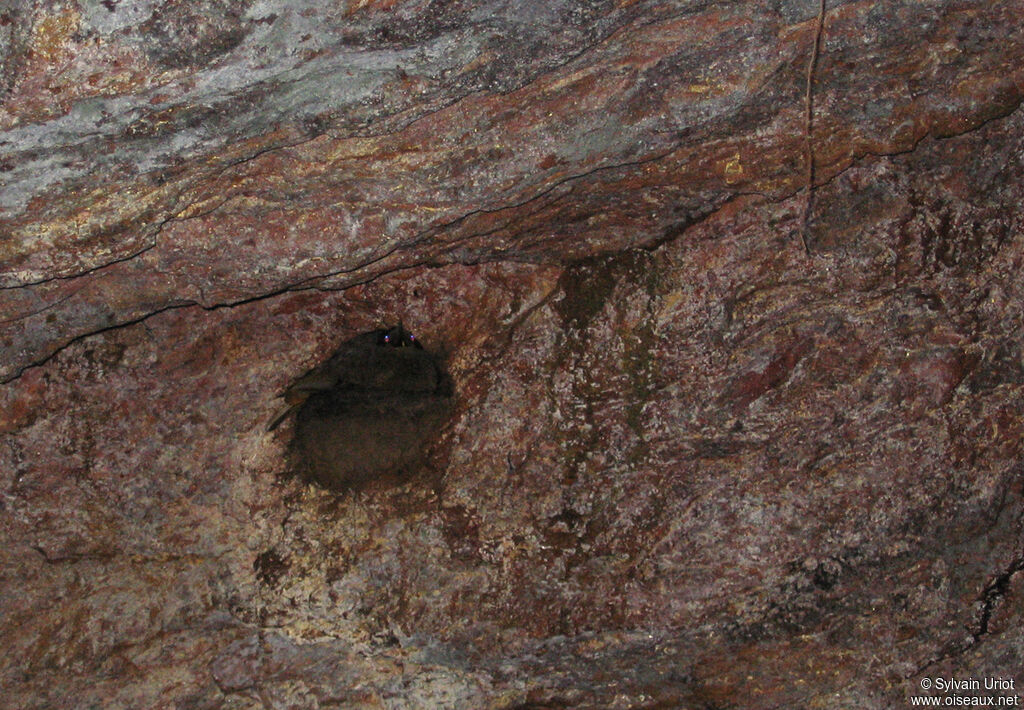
(387,338)
(412,337)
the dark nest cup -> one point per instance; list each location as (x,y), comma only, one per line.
(369,414)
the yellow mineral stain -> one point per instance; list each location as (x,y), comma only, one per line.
(120,82)
(373,5)
(570,80)
(668,304)
(51,34)
(733,169)
(353,148)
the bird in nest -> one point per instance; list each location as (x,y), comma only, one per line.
(370,363)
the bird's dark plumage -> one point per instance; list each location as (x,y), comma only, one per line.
(369,411)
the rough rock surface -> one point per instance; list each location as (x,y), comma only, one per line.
(688,465)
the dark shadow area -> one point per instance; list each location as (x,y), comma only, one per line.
(368,414)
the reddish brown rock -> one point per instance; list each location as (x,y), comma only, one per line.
(686,464)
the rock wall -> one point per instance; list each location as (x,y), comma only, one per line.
(689,462)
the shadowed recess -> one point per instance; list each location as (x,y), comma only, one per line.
(369,413)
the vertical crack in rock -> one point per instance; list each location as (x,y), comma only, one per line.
(812,64)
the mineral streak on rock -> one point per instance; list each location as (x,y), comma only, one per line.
(688,465)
